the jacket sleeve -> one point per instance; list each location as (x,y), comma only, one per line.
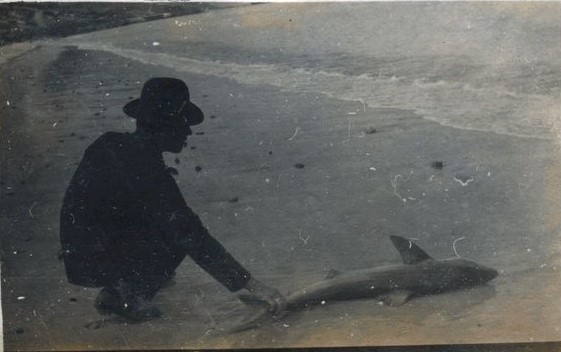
(182,228)
(210,255)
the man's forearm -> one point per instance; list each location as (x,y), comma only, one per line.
(210,255)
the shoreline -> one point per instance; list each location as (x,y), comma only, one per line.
(224,70)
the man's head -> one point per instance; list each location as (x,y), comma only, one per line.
(165,110)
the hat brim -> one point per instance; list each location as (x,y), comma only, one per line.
(191,112)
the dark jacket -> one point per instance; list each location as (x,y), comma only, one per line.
(123,215)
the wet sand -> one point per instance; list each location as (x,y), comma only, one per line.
(293,184)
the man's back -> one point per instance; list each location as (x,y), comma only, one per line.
(107,198)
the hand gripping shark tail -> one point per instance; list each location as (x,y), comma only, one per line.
(419,275)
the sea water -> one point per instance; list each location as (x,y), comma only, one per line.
(490,67)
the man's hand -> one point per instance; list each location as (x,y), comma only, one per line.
(267,294)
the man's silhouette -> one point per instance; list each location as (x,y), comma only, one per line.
(125,226)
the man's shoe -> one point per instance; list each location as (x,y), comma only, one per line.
(137,308)
(107,301)
(132,307)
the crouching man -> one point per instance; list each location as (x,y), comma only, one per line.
(124,224)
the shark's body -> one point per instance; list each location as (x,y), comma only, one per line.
(419,275)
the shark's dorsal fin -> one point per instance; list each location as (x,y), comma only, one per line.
(332,273)
(410,252)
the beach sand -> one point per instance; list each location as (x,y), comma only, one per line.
(293,183)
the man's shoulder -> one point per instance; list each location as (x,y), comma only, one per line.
(110,140)
(123,150)
(105,146)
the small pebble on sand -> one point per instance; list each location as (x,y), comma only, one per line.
(172,171)
(371,130)
(439,165)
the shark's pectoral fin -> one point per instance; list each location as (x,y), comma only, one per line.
(396,299)
(332,273)
(409,251)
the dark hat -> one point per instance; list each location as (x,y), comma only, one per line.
(163,98)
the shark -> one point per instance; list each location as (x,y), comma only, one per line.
(418,275)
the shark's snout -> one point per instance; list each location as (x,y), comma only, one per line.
(473,272)
(487,274)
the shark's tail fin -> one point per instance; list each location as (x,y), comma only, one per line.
(261,316)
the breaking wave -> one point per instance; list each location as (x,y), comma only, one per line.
(454,93)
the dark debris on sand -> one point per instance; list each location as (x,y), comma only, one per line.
(370,130)
(233,200)
(437,165)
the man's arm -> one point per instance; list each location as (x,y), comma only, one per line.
(210,255)
(183,228)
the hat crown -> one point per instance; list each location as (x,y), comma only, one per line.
(164,95)
(163,98)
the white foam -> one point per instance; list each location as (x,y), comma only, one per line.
(463,105)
